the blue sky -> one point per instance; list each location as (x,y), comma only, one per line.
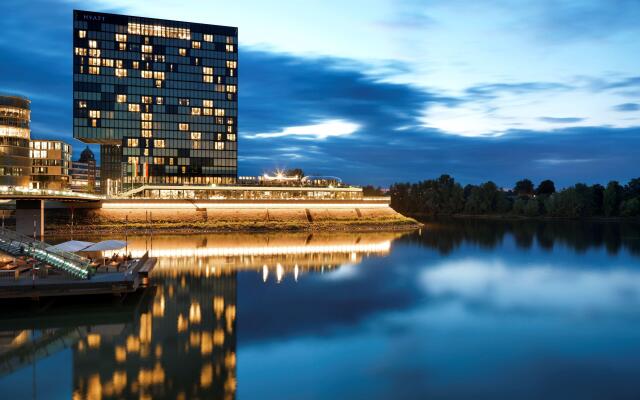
(383,91)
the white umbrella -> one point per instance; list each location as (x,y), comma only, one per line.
(106,245)
(71,246)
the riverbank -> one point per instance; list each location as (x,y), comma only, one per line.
(510,217)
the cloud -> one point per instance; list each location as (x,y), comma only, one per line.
(494,90)
(626,107)
(321,130)
(565,120)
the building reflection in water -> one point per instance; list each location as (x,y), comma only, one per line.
(178,340)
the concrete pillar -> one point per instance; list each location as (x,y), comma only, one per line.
(30,218)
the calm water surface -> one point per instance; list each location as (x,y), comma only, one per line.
(460,310)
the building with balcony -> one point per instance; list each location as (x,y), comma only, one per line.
(15,167)
(50,164)
(159,97)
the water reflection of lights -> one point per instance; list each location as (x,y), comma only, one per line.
(353,249)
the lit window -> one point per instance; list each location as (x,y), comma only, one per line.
(146,99)
(207,70)
(159,83)
(207,78)
(195,145)
(208,38)
(106,62)
(119,64)
(133,160)
(93,44)
(94,70)
(135,64)
(134,107)
(147,116)
(158,160)
(231,137)
(94,53)
(159,58)
(219,145)
(158,74)
(147,74)
(207,103)
(229,48)
(231,88)
(196,135)
(183,52)
(183,127)
(132,143)
(219,112)
(146,125)
(195,45)
(232,64)
(146,133)
(195,111)
(82,34)
(82,104)
(94,61)
(122,46)
(207,111)
(183,102)
(159,100)
(94,123)
(147,48)
(121,72)
(159,143)
(81,51)
(121,37)
(121,98)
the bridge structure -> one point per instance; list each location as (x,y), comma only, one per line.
(30,205)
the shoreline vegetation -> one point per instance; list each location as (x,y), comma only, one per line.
(368,225)
(445,197)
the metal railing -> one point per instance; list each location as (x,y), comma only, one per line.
(24,191)
(17,244)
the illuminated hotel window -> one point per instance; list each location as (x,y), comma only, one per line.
(219,145)
(159,100)
(94,113)
(231,137)
(183,127)
(158,143)
(121,37)
(146,100)
(183,102)
(207,111)
(94,123)
(146,116)
(195,145)
(82,34)
(132,142)
(133,160)
(208,38)
(229,47)
(94,70)
(158,74)
(146,133)
(122,46)
(231,64)
(159,83)
(219,112)
(207,103)
(93,44)
(229,121)
(207,70)
(183,52)
(94,61)
(159,58)
(147,48)
(121,98)
(231,88)
(121,73)
(207,78)
(135,64)
(106,62)
(158,160)
(195,45)
(134,107)
(195,111)
(196,135)
(147,74)
(81,51)
(82,104)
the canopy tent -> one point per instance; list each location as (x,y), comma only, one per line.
(71,246)
(106,245)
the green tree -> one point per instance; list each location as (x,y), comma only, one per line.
(545,188)
(370,190)
(630,208)
(294,172)
(613,196)
(524,188)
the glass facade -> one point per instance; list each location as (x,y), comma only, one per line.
(159,96)
(50,164)
(15,166)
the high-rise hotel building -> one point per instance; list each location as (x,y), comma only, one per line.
(160,97)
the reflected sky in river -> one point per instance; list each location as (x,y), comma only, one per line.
(480,309)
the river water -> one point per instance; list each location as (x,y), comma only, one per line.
(460,309)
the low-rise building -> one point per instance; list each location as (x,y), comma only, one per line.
(85,174)
(50,164)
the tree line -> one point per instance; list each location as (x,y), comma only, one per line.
(445,196)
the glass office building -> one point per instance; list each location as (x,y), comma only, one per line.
(15,166)
(160,97)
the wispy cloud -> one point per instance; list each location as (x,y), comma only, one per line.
(321,130)
(561,120)
(627,107)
